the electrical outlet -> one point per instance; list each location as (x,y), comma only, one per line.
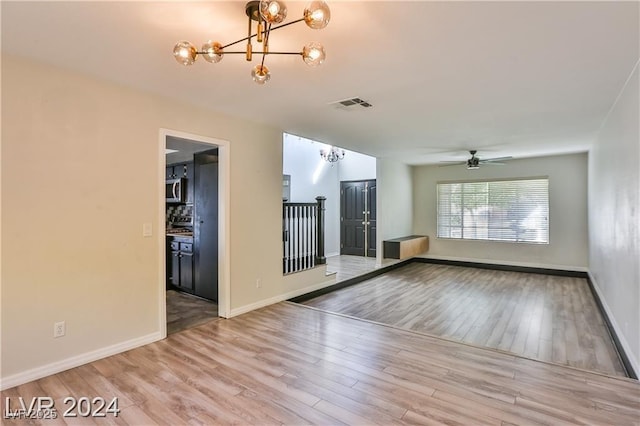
(258,283)
(59,329)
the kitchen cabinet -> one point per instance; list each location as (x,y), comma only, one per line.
(183,170)
(180,264)
(179,170)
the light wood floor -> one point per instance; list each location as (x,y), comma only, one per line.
(346,267)
(543,317)
(186,311)
(290,364)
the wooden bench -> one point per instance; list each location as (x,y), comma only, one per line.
(405,247)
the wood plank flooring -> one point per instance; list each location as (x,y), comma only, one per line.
(346,267)
(291,364)
(186,311)
(548,318)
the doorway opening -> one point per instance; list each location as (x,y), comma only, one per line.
(195,264)
(307,174)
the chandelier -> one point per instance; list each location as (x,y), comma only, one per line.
(332,155)
(267,14)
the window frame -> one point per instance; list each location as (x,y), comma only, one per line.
(488,181)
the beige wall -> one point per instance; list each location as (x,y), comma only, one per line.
(614,217)
(568,246)
(80,163)
(394,203)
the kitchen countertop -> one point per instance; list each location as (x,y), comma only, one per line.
(179,234)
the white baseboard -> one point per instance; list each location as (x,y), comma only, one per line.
(76,361)
(281,297)
(508,263)
(332,254)
(632,357)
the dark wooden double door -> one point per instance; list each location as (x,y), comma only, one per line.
(358,218)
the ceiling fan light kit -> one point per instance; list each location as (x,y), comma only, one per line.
(473,163)
(266,13)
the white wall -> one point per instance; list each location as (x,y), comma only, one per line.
(80,167)
(614,217)
(356,166)
(395,200)
(568,246)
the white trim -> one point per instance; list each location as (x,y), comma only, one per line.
(623,341)
(281,297)
(224,232)
(161,227)
(75,361)
(224,228)
(508,263)
(332,254)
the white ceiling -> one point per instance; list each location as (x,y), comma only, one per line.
(184,149)
(507,78)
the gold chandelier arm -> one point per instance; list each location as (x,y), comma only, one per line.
(249,46)
(265,46)
(264,32)
(238,41)
(243,52)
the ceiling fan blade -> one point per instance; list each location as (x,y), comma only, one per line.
(492,163)
(452,163)
(490,160)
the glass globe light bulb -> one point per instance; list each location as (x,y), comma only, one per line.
(317,15)
(212,51)
(260,74)
(185,53)
(273,11)
(313,54)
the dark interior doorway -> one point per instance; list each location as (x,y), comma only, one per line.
(192,233)
(358,218)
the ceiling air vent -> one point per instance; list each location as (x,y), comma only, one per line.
(351,103)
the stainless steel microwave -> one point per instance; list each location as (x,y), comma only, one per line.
(176,191)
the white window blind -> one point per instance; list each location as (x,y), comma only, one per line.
(513,210)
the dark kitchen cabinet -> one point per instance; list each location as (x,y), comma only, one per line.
(183,170)
(173,273)
(180,170)
(205,226)
(186,271)
(180,265)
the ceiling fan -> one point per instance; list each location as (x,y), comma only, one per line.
(474,162)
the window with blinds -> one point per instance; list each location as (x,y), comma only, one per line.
(505,210)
